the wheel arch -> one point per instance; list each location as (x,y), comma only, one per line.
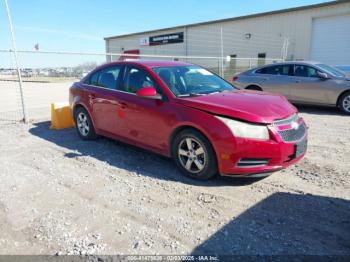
(75,107)
(253,87)
(181,128)
(340,95)
(80,105)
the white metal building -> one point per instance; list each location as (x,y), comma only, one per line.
(315,32)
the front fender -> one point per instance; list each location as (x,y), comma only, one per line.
(212,128)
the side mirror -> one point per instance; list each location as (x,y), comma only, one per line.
(148,92)
(322,75)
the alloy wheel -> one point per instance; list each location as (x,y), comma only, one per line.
(83,124)
(192,155)
(346,103)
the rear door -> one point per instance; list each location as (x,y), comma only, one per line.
(103,101)
(276,78)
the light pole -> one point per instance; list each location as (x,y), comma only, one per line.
(24,112)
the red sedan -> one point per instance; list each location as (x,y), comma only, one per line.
(188,113)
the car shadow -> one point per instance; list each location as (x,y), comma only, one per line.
(319,110)
(285,224)
(126,157)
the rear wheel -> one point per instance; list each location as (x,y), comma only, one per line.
(254,87)
(194,155)
(84,124)
(344,103)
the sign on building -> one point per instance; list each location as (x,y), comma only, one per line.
(173,38)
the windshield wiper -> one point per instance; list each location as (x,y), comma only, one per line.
(190,95)
(225,90)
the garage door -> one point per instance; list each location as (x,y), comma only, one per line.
(330,40)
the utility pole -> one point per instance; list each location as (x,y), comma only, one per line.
(24,112)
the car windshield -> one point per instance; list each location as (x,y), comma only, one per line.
(345,69)
(331,70)
(191,80)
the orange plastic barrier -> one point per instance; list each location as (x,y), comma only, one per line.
(61,116)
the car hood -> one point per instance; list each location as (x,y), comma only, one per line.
(346,78)
(251,106)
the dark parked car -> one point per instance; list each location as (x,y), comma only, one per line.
(185,112)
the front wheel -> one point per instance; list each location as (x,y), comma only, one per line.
(194,155)
(344,103)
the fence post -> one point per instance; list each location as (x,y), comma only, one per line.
(222,53)
(24,112)
(285,49)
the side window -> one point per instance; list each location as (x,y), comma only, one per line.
(136,79)
(261,70)
(273,70)
(305,71)
(284,70)
(106,78)
(276,70)
(312,72)
(94,79)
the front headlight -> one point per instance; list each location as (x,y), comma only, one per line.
(245,130)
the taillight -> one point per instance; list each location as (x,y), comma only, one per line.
(235,78)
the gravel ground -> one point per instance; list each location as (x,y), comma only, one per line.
(60,195)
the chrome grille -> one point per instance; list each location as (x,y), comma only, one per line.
(292,135)
(286,121)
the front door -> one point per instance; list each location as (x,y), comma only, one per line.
(308,87)
(147,120)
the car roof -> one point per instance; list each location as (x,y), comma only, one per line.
(151,63)
(284,63)
(294,62)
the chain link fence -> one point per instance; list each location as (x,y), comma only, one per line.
(47,76)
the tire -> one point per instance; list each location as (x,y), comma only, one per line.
(253,87)
(84,125)
(198,161)
(344,102)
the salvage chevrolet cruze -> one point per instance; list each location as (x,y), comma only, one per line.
(188,113)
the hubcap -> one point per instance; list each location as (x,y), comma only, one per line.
(192,155)
(346,103)
(83,124)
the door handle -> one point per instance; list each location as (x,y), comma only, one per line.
(297,81)
(91,99)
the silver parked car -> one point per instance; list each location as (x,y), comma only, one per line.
(301,82)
